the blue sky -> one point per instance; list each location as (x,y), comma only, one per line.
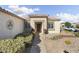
(64,12)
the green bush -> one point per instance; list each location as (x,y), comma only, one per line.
(67,42)
(77,26)
(76,34)
(14,45)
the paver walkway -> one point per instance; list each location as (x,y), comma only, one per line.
(38,45)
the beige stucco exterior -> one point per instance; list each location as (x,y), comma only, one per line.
(45,20)
(56,27)
(18,25)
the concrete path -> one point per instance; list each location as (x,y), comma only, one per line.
(38,45)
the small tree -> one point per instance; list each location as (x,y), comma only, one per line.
(68,24)
(77,26)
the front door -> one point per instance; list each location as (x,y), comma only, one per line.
(38,26)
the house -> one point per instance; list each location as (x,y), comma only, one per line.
(74,25)
(41,23)
(11,24)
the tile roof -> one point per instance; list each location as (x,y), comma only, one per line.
(7,12)
(38,15)
(32,15)
(54,18)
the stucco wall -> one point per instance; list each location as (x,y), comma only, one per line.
(56,27)
(43,20)
(18,25)
(44,25)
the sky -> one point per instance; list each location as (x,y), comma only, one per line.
(66,13)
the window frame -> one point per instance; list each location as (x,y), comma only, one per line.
(50,25)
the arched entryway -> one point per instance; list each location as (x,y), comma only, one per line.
(38,26)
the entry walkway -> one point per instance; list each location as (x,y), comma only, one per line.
(38,45)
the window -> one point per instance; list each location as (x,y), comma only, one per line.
(50,26)
(28,25)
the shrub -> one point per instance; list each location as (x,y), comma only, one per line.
(56,37)
(65,51)
(11,46)
(14,45)
(77,26)
(76,34)
(67,42)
